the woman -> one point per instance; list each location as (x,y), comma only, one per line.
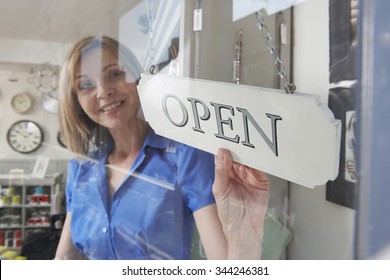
(132,194)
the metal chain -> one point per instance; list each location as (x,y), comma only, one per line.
(150,16)
(278,64)
(197,47)
(237,59)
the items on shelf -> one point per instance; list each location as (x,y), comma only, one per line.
(39,218)
(26,205)
(38,197)
(10,220)
(9,196)
(11,238)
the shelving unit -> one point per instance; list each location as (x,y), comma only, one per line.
(26,205)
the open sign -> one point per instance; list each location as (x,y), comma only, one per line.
(293,137)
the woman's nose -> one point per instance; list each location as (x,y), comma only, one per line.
(103,89)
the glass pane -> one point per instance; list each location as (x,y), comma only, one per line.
(135,194)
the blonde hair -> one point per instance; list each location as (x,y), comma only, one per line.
(78,130)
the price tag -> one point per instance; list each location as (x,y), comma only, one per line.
(198,20)
(283,33)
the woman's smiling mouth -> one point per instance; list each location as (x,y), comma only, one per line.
(111,107)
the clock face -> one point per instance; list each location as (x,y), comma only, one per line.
(25,136)
(22,102)
(50,102)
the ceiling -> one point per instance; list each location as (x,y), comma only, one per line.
(37,31)
(63,21)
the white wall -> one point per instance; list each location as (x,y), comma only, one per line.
(322,230)
(32,52)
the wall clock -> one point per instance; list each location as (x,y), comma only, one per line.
(61,140)
(22,102)
(50,102)
(25,136)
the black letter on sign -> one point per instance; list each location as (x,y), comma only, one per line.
(220,121)
(183,109)
(272,144)
(206,114)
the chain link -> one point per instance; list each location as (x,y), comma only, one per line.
(278,64)
(197,47)
(150,16)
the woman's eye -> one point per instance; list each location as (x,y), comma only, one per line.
(85,85)
(115,74)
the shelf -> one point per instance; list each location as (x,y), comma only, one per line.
(30,180)
(43,206)
(11,206)
(37,205)
(11,227)
(36,226)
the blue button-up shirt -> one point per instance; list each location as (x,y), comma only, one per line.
(150,214)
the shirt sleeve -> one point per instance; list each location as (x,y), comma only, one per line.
(195,177)
(70,181)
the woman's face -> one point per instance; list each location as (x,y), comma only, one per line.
(105,90)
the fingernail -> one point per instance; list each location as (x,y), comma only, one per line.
(220,156)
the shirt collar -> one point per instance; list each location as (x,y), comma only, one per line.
(156,141)
(152,140)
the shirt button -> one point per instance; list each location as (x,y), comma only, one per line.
(104,229)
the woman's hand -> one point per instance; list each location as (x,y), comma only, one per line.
(241,195)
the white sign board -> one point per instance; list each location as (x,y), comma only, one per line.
(291,136)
